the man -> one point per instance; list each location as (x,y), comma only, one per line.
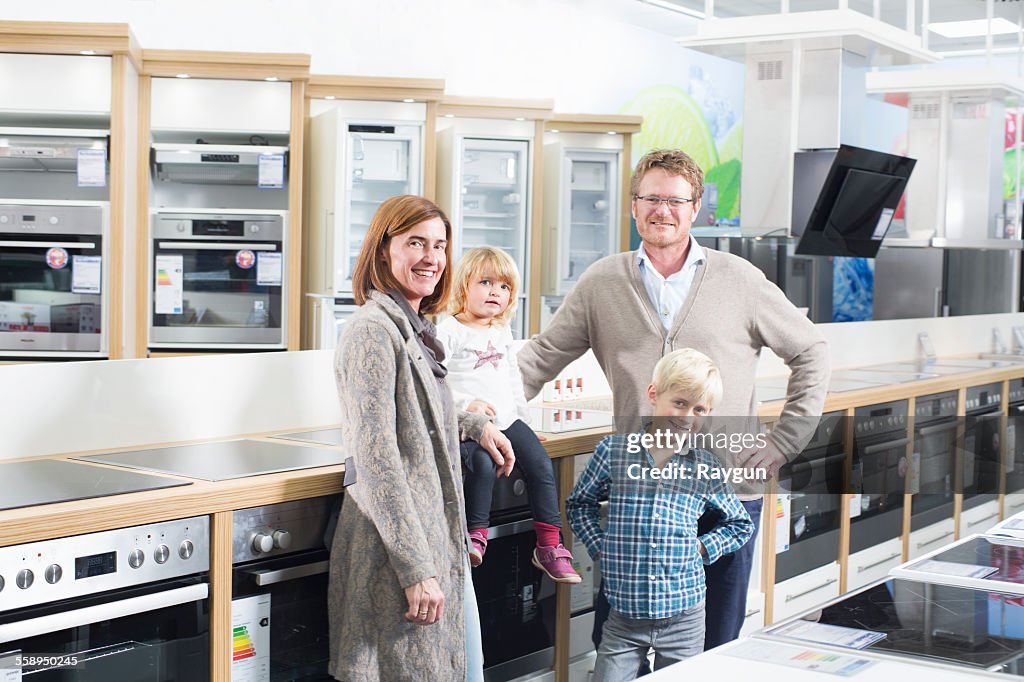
(633,308)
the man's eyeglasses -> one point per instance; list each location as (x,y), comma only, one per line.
(652,201)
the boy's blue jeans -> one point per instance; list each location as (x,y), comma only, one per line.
(626,642)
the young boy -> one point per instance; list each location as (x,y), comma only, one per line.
(651,556)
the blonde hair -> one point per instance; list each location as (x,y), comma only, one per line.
(673,162)
(691,372)
(485,260)
(394,217)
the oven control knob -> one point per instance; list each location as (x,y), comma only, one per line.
(254,228)
(262,543)
(1,583)
(180,227)
(4,220)
(282,539)
(519,488)
(54,220)
(186,549)
(136,558)
(24,579)
(161,554)
(53,573)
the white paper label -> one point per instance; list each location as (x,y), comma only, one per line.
(9,671)
(855,506)
(92,168)
(86,272)
(250,639)
(954,569)
(836,635)
(882,226)
(783,505)
(798,657)
(170,272)
(271,171)
(268,269)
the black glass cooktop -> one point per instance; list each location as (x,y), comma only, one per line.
(973,628)
(993,559)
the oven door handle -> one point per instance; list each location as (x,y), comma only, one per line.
(216,246)
(273,577)
(938,428)
(872,449)
(55,622)
(47,245)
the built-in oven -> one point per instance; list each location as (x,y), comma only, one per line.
(279,623)
(1014,449)
(810,497)
(878,474)
(982,446)
(129,605)
(933,467)
(219,281)
(53,274)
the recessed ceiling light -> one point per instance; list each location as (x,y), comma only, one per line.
(972,28)
(554,130)
(612,132)
(408,100)
(87,52)
(272,79)
(181,75)
(520,118)
(449,115)
(330,97)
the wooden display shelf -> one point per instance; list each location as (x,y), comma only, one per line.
(492,107)
(227,65)
(58,37)
(594,123)
(375,89)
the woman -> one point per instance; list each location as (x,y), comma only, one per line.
(399,575)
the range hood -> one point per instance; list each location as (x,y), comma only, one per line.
(210,164)
(47,149)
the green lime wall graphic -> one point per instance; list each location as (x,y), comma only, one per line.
(672,118)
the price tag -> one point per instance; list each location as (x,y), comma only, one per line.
(92,168)
(271,171)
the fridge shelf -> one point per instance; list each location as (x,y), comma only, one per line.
(488,215)
(494,185)
(488,227)
(588,224)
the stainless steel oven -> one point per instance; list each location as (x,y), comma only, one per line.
(53,274)
(878,473)
(279,591)
(934,467)
(811,486)
(129,605)
(1015,439)
(218,280)
(982,446)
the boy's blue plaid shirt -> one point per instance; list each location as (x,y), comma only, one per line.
(650,561)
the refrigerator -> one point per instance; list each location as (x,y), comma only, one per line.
(484,185)
(582,212)
(360,154)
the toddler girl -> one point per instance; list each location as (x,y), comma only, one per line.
(484,377)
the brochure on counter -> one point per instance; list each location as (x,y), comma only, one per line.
(834,635)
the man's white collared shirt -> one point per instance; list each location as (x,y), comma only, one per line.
(668,294)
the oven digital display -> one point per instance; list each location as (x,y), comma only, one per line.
(884,412)
(28,218)
(97,564)
(218,228)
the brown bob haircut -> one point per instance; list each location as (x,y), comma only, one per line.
(397,216)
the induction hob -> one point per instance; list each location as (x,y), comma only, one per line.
(913,367)
(319,436)
(223,460)
(48,481)
(980,629)
(882,377)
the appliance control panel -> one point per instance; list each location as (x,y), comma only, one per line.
(51,570)
(276,529)
(884,417)
(984,397)
(1016,391)
(29,219)
(936,405)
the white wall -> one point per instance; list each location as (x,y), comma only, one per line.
(576,52)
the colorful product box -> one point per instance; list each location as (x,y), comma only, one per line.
(24,317)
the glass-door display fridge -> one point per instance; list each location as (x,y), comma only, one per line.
(490,201)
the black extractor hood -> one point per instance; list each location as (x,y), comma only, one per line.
(844,199)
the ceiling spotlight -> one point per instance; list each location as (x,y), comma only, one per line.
(330,97)
(87,52)
(182,75)
(408,100)
(271,79)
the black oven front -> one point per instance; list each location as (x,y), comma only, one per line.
(279,591)
(982,445)
(1015,442)
(935,441)
(129,605)
(812,486)
(52,280)
(878,473)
